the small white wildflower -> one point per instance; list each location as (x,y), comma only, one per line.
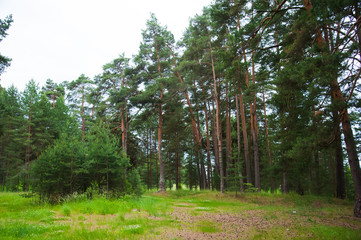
(131,227)
(203,208)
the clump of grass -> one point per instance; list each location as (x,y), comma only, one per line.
(25,231)
(101,206)
(42,215)
(208,227)
(66,210)
(154,206)
(332,232)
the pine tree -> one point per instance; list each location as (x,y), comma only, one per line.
(79,89)
(154,64)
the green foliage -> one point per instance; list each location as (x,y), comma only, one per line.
(66,210)
(74,166)
(4,26)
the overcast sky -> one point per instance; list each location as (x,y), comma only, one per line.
(61,39)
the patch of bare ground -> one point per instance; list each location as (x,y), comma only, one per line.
(231,226)
(246,224)
(349,222)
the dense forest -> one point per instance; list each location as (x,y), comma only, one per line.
(257,95)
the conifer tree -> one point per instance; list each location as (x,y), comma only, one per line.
(154,65)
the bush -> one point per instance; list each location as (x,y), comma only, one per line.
(76,168)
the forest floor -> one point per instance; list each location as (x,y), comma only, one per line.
(179,215)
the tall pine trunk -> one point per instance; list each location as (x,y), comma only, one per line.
(254,130)
(340,174)
(160,127)
(209,163)
(27,152)
(245,138)
(239,167)
(218,122)
(229,160)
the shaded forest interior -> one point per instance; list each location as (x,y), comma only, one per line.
(256,95)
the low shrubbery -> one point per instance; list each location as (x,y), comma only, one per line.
(93,165)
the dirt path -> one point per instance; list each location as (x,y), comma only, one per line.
(193,223)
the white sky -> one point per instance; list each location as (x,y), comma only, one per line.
(61,39)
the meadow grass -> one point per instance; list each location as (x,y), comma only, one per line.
(179,214)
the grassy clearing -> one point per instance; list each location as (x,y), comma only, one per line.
(180,215)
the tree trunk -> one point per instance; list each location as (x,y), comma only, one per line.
(156,165)
(245,138)
(177,170)
(27,152)
(82,113)
(214,137)
(340,174)
(254,130)
(228,140)
(209,166)
(122,127)
(239,168)
(285,183)
(268,147)
(218,123)
(160,127)
(161,163)
(169,171)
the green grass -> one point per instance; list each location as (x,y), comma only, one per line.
(178,215)
(208,227)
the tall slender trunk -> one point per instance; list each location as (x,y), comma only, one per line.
(214,136)
(147,156)
(266,130)
(203,174)
(228,140)
(239,167)
(198,167)
(27,152)
(170,171)
(340,174)
(245,138)
(268,147)
(209,163)
(177,169)
(161,163)
(82,113)
(156,165)
(218,122)
(122,127)
(247,159)
(107,176)
(160,127)
(285,183)
(150,160)
(254,130)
